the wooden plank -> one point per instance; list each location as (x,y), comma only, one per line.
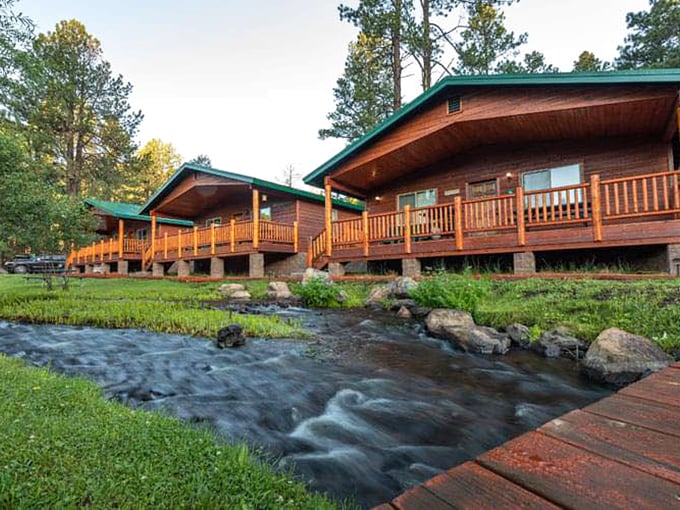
(658,387)
(407,229)
(328,216)
(575,478)
(644,449)
(471,486)
(597,207)
(521,235)
(419,498)
(458,219)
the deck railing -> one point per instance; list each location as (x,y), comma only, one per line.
(591,204)
(187,243)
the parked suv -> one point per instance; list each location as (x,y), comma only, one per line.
(21,264)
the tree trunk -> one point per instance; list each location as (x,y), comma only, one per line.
(396,53)
(427,46)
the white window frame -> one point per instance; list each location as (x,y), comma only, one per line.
(142,234)
(575,196)
(217,220)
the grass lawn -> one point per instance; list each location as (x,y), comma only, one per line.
(63,446)
(157,305)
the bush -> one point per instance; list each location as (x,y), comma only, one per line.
(316,293)
(446,290)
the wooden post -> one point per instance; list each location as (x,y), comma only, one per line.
(110,247)
(310,253)
(195,240)
(328,216)
(94,252)
(596,206)
(153,234)
(180,249)
(101,250)
(212,239)
(407,228)
(165,246)
(458,220)
(521,233)
(121,239)
(365,236)
(256,219)
(232,235)
(296,233)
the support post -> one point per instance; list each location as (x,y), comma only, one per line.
(232,235)
(110,248)
(296,234)
(458,221)
(256,219)
(310,253)
(153,234)
(212,239)
(256,265)
(407,228)
(195,241)
(157,269)
(180,249)
(365,237)
(121,239)
(596,200)
(524,262)
(94,252)
(216,267)
(165,246)
(328,216)
(101,250)
(519,206)
(183,269)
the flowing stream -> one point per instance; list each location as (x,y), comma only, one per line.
(370,409)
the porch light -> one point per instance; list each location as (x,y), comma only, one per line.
(264,197)
(508,175)
(378,198)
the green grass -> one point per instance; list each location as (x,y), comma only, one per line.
(156,305)
(64,446)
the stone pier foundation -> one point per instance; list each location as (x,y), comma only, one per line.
(336,269)
(157,269)
(256,265)
(524,262)
(123,267)
(216,267)
(673,259)
(410,268)
(183,268)
(88,268)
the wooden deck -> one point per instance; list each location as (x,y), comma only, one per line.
(621,452)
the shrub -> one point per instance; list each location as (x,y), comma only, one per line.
(317,293)
(445,290)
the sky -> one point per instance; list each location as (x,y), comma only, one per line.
(249,83)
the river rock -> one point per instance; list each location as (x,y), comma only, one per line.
(618,357)
(311,273)
(404,313)
(227,289)
(402,303)
(377,295)
(231,336)
(278,290)
(341,297)
(400,287)
(559,342)
(240,295)
(519,334)
(460,329)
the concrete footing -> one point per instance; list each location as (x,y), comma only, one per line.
(216,267)
(157,269)
(106,268)
(256,265)
(123,267)
(336,269)
(524,262)
(183,268)
(673,259)
(88,269)
(410,268)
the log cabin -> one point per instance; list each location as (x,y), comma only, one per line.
(519,166)
(237,224)
(122,232)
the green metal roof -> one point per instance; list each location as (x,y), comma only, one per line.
(132,212)
(186,168)
(643,76)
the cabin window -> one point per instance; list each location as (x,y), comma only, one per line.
(417,199)
(217,221)
(334,215)
(266,213)
(483,189)
(454,104)
(142,234)
(568,175)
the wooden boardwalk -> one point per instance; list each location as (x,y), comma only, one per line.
(621,452)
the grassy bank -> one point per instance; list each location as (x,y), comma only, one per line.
(156,305)
(64,446)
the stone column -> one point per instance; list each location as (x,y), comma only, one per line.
(524,262)
(256,265)
(123,267)
(88,269)
(410,268)
(157,269)
(106,268)
(672,259)
(216,267)
(183,268)
(336,269)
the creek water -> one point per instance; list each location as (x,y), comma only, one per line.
(371,408)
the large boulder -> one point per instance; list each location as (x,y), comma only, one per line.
(460,329)
(400,287)
(278,290)
(240,295)
(231,336)
(377,295)
(311,273)
(228,289)
(559,343)
(519,334)
(618,357)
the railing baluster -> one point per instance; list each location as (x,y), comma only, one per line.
(655,192)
